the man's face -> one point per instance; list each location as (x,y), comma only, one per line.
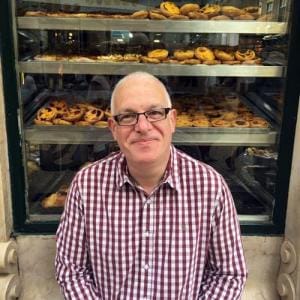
(144,142)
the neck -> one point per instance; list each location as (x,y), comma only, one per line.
(148,176)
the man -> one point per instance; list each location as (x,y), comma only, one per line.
(148,222)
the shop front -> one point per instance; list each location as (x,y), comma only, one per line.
(231,70)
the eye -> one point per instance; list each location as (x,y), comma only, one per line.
(155,114)
(125,118)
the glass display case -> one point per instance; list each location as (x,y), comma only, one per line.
(225,64)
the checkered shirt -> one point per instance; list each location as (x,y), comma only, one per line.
(180,242)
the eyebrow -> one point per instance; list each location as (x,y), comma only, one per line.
(129,110)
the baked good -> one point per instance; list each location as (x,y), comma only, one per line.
(191,61)
(256,61)
(169,8)
(146,59)
(185,9)
(178,17)
(204,53)
(211,10)
(231,11)
(243,55)
(258,122)
(36,13)
(245,16)
(132,57)
(224,55)
(159,54)
(267,17)
(211,62)
(154,15)
(101,124)
(141,14)
(220,123)
(184,54)
(73,114)
(251,9)
(241,123)
(197,15)
(59,121)
(229,115)
(45,115)
(82,123)
(45,57)
(231,62)
(94,115)
(56,199)
(203,122)
(220,18)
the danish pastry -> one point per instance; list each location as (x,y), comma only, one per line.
(244,17)
(244,55)
(185,9)
(184,54)
(220,18)
(169,8)
(101,124)
(132,57)
(178,17)
(191,61)
(201,123)
(159,54)
(211,62)
(83,123)
(204,53)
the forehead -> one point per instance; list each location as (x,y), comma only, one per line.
(138,93)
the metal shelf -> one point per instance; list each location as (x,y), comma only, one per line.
(123,68)
(186,136)
(189,26)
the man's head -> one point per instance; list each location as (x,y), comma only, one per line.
(148,141)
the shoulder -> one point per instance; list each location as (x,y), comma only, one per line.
(104,166)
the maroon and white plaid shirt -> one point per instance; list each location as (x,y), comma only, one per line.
(180,242)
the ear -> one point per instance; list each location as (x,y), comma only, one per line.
(113,127)
(173,116)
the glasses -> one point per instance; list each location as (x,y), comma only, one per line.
(152,116)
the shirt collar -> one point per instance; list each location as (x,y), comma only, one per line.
(171,175)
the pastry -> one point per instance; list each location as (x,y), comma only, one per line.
(146,59)
(37,13)
(183,54)
(169,8)
(191,61)
(231,62)
(241,123)
(94,115)
(178,17)
(201,123)
(141,14)
(159,54)
(220,123)
(244,55)
(220,18)
(224,55)
(46,114)
(231,11)
(101,124)
(132,57)
(197,15)
(245,16)
(229,116)
(204,53)
(185,9)
(59,121)
(258,122)
(211,10)
(211,62)
(73,114)
(256,61)
(83,123)
(157,15)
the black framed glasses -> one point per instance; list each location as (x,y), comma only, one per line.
(153,115)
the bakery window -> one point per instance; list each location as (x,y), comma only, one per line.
(224,65)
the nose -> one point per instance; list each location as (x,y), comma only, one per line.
(142,124)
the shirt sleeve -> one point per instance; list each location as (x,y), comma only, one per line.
(72,260)
(225,270)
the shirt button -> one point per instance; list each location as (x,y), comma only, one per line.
(146,267)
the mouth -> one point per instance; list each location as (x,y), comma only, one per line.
(143,141)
